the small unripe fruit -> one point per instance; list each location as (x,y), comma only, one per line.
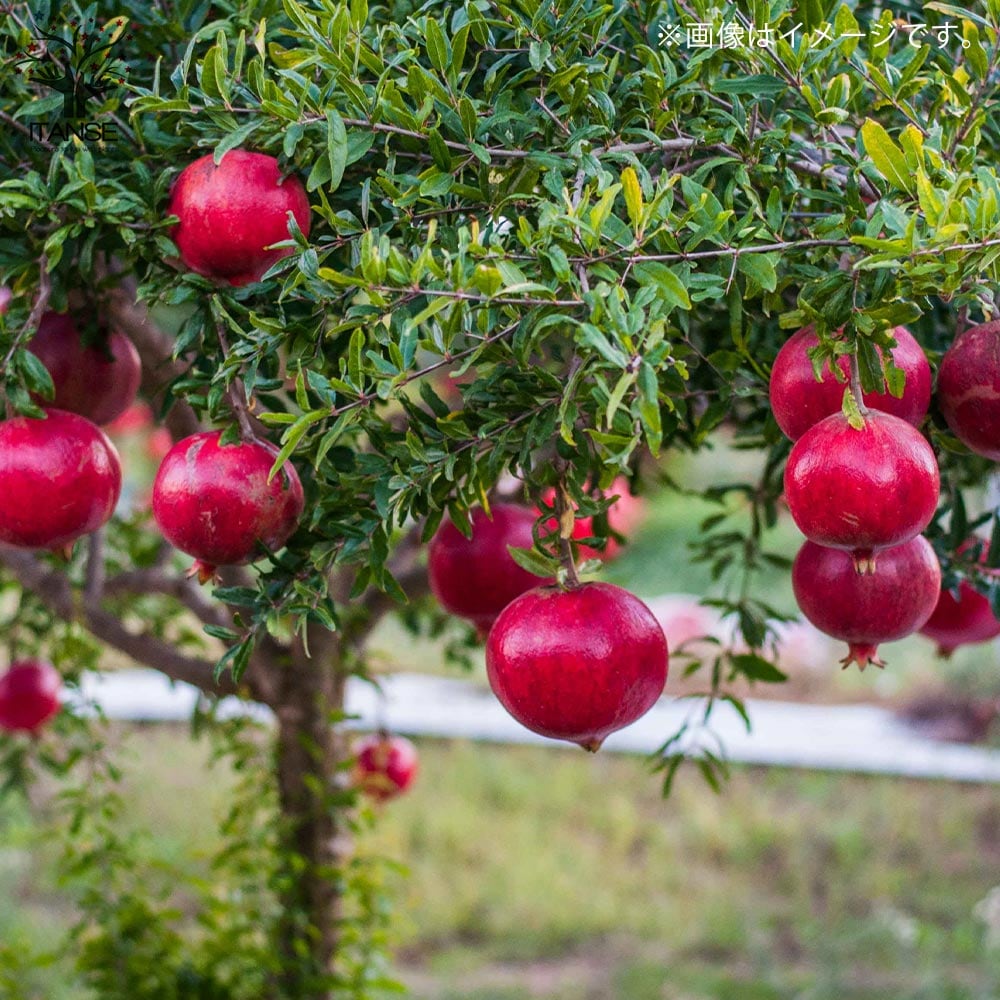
(229,213)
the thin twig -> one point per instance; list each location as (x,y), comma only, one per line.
(237,393)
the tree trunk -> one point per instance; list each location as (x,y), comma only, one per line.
(316,840)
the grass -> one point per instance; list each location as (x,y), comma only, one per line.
(546,874)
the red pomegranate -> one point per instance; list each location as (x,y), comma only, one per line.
(99,382)
(965,620)
(624,515)
(229,213)
(6,295)
(968,389)
(862,490)
(866,610)
(29,695)
(214,502)
(798,401)
(60,478)
(577,664)
(384,766)
(476,578)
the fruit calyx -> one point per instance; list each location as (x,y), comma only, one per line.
(863,654)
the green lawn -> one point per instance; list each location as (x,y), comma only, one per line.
(547,874)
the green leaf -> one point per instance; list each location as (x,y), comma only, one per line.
(336,146)
(756,668)
(669,286)
(437,47)
(235,138)
(633,196)
(886,155)
(760,267)
(534,562)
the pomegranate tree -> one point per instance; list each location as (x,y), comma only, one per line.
(867,609)
(60,479)
(577,664)
(968,389)
(231,212)
(29,695)
(476,578)
(384,765)
(862,489)
(965,619)
(799,400)
(215,503)
(99,380)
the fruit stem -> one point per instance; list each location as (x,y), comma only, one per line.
(567,518)
(856,385)
(237,394)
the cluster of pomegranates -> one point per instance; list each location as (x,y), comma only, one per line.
(862,495)
(570,662)
(60,477)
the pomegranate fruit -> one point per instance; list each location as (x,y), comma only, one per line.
(968,389)
(99,382)
(862,490)
(214,502)
(624,515)
(798,401)
(476,578)
(29,695)
(231,212)
(60,478)
(866,610)
(6,295)
(965,620)
(384,766)
(577,664)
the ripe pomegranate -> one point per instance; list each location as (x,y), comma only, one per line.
(29,695)
(99,382)
(60,478)
(968,389)
(6,295)
(624,515)
(874,608)
(798,401)
(476,578)
(862,490)
(229,213)
(384,765)
(577,664)
(214,502)
(965,620)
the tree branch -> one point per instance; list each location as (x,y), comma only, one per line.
(53,589)
(158,581)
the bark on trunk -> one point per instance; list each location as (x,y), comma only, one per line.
(317,842)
